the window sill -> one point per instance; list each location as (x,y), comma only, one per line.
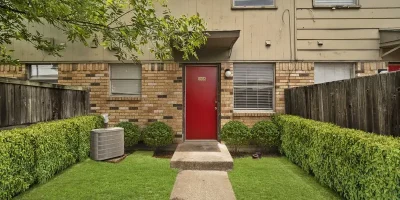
(253,113)
(337,7)
(254,8)
(123,98)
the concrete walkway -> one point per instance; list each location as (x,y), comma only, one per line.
(203,175)
(202,185)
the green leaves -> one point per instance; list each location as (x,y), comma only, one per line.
(356,164)
(158,134)
(235,133)
(125,25)
(132,133)
(265,134)
(37,153)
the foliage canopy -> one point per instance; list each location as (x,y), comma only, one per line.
(125,26)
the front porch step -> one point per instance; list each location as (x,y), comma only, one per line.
(202,156)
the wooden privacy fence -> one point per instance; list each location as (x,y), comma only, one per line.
(26,102)
(370,103)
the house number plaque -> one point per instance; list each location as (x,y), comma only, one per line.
(201,79)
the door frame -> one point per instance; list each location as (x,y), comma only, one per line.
(218,66)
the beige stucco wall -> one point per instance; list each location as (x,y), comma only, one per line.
(347,34)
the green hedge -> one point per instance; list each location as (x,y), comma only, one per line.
(158,134)
(132,133)
(265,134)
(235,133)
(356,164)
(36,153)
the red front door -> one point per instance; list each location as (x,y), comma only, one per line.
(394,67)
(201,102)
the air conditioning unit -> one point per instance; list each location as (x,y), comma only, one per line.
(106,143)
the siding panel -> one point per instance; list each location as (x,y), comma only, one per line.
(338,55)
(338,44)
(353,34)
(347,23)
(379,13)
(363,3)
(347,34)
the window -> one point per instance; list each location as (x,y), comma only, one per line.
(253,87)
(253,3)
(328,72)
(335,3)
(43,73)
(126,79)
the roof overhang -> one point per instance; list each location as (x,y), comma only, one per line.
(219,43)
(389,40)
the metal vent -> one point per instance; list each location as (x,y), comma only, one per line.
(106,143)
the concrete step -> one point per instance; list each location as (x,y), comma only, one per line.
(202,185)
(202,156)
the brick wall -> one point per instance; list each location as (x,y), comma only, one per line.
(286,75)
(226,94)
(161,98)
(369,68)
(289,75)
(11,71)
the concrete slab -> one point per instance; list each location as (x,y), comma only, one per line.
(202,185)
(202,156)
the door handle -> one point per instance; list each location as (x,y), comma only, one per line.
(215,108)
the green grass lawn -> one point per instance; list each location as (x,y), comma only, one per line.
(275,178)
(139,176)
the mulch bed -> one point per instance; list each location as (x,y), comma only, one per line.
(163,154)
(117,159)
(246,154)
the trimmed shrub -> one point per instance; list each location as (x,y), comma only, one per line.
(158,134)
(17,162)
(131,133)
(356,164)
(37,153)
(235,133)
(265,134)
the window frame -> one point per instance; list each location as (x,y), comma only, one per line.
(233,7)
(356,5)
(125,95)
(272,110)
(37,77)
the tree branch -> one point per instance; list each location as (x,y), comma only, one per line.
(76,22)
(120,17)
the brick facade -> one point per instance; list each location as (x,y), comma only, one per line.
(289,75)
(161,98)
(162,90)
(369,68)
(11,71)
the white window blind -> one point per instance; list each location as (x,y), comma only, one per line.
(243,3)
(43,73)
(253,86)
(126,79)
(335,2)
